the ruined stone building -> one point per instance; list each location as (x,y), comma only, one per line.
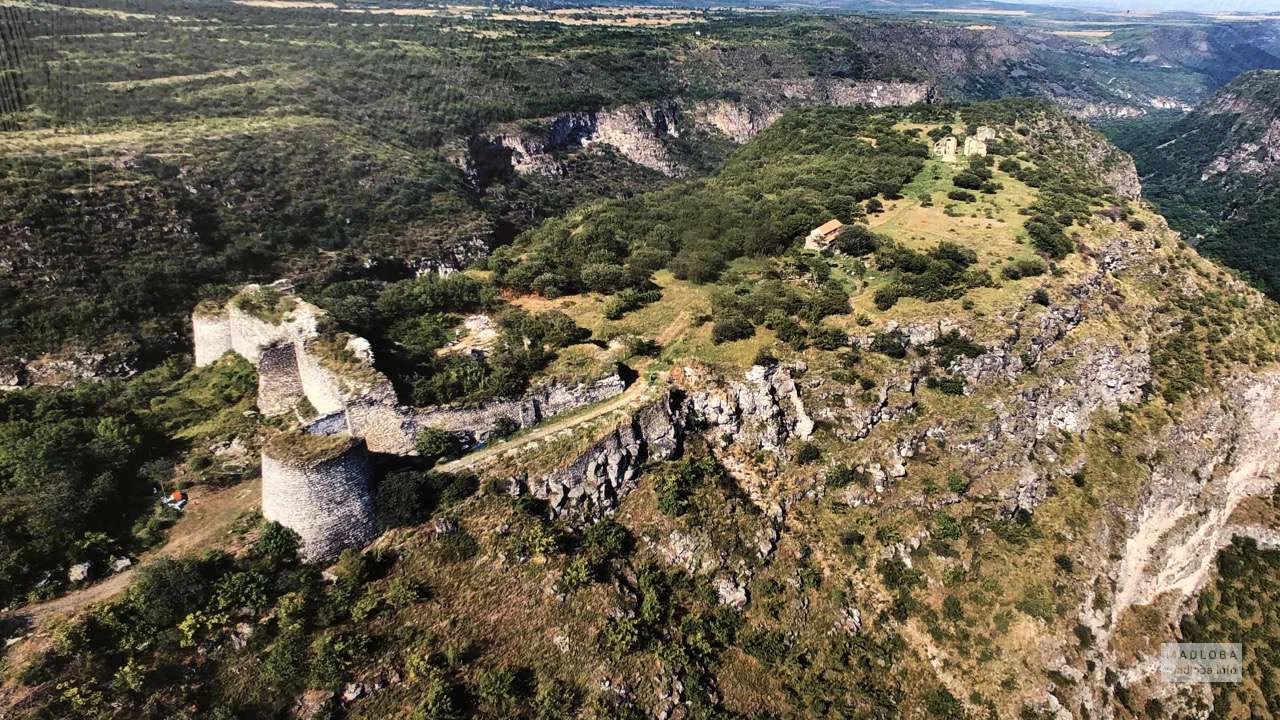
(317,480)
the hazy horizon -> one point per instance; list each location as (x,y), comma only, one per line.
(1235,6)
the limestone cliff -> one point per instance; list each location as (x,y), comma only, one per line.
(593,483)
(642,132)
(762,411)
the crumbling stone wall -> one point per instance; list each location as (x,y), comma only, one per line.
(541,402)
(288,369)
(250,336)
(363,402)
(279,385)
(325,500)
(320,384)
(212,332)
(387,427)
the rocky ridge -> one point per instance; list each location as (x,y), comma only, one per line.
(641,132)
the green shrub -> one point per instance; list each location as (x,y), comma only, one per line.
(893,344)
(767,646)
(857,240)
(278,544)
(620,636)
(1024,268)
(606,540)
(949,385)
(952,345)
(825,338)
(886,297)
(734,327)
(808,453)
(555,700)
(503,428)
(435,445)
(843,475)
(1048,237)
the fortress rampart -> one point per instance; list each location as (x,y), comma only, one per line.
(319,487)
(316,481)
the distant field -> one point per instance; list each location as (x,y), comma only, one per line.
(1083,33)
(627,16)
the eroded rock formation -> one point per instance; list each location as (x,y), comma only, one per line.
(641,132)
(595,481)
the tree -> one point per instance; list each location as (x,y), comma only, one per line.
(399,499)
(166,590)
(277,543)
(435,444)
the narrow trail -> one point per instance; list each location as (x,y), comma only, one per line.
(207,518)
(631,396)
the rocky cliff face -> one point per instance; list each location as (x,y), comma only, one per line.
(1224,449)
(762,411)
(642,132)
(592,484)
(1216,174)
(1253,143)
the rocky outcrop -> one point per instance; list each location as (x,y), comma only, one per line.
(637,133)
(762,411)
(65,369)
(1223,449)
(594,483)
(640,132)
(1090,150)
(319,488)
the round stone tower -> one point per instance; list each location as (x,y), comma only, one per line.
(318,486)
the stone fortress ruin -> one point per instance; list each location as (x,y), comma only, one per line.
(316,479)
(976,144)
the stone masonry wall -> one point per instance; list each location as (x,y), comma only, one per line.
(326,502)
(212,334)
(249,335)
(541,402)
(364,403)
(322,388)
(279,385)
(386,428)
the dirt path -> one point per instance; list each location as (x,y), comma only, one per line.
(205,523)
(630,396)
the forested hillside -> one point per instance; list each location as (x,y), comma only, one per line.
(151,149)
(1216,174)
(841,510)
